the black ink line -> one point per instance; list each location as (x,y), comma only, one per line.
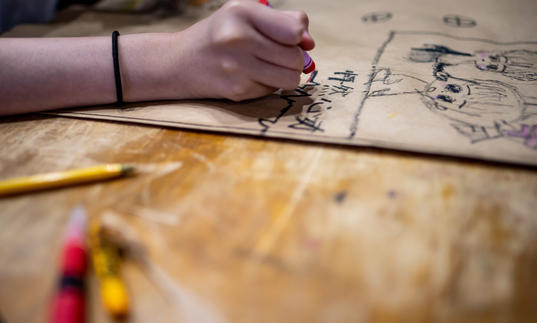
(377,17)
(459,21)
(266,123)
(375,94)
(441,50)
(354,125)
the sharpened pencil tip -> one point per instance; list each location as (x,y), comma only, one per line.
(127,170)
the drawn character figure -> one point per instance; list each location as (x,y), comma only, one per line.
(479,109)
(518,64)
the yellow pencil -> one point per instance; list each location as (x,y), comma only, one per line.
(59,179)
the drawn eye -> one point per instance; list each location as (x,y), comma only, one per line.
(445,98)
(431,89)
(453,88)
(494,58)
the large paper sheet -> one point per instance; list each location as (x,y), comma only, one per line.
(446,77)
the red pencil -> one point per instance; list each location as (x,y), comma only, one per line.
(309,64)
(69,304)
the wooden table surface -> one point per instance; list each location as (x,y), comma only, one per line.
(243,229)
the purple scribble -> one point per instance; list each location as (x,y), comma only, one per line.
(527,132)
(392,194)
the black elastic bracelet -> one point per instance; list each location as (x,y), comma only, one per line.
(117,74)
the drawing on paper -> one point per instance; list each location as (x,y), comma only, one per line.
(314,111)
(484,89)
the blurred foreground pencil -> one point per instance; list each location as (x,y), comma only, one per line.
(66,178)
(106,262)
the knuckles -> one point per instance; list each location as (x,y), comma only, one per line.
(230,35)
(229,65)
(303,18)
(236,7)
(299,23)
(231,28)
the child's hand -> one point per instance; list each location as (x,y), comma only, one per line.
(244,50)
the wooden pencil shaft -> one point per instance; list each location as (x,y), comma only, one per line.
(60,179)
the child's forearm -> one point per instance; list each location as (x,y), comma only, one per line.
(44,73)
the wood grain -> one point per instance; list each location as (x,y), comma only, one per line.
(254,230)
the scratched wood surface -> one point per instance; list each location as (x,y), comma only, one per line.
(241,229)
(251,230)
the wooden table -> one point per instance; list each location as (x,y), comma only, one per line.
(243,229)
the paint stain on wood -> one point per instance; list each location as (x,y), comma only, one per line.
(340,197)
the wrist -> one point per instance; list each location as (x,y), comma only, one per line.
(147,63)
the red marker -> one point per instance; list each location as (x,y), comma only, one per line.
(309,64)
(69,304)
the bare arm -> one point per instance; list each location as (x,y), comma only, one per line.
(38,74)
(243,51)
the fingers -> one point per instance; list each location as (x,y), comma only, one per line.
(298,15)
(261,78)
(284,28)
(290,57)
(275,76)
(255,49)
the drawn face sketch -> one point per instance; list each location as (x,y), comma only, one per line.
(519,64)
(491,62)
(478,103)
